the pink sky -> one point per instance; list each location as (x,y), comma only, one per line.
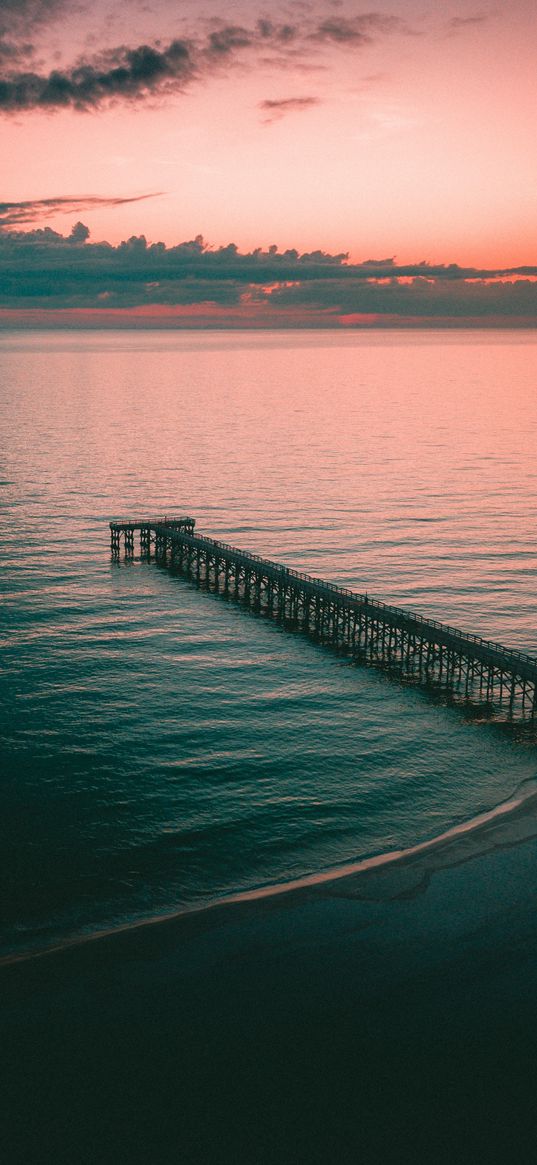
(410,134)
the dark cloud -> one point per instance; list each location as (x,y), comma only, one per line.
(383,263)
(418,298)
(37,272)
(274,110)
(227,39)
(129,74)
(281,33)
(13,213)
(79,233)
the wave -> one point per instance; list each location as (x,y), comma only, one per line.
(521,799)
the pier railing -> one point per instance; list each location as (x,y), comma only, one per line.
(151,523)
(367,627)
(373,604)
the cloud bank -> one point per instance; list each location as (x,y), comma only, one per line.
(68,279)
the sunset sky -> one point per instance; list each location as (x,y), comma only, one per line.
(403,131)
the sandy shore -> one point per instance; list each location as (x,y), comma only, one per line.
(386,1015)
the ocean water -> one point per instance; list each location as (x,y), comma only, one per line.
(163,748)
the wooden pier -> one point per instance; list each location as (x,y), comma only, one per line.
(496,679)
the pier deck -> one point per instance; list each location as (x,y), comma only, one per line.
(497,678)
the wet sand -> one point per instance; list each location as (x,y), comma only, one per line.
(386,1015)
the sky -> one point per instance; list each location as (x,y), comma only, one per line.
(342,162)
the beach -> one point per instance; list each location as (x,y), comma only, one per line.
(383,1016)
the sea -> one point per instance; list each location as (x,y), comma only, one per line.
(164,748)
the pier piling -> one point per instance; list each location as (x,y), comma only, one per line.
(420,650)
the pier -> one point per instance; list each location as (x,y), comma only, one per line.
(499,680)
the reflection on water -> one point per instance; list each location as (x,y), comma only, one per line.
(163,748)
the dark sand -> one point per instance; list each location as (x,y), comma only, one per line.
(383,1017)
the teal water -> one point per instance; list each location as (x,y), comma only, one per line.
(163,748)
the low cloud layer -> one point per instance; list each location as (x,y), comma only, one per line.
(44,271)
(127,73)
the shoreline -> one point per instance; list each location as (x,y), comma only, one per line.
(388,1014)
(505,825)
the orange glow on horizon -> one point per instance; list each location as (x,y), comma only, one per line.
(245,316)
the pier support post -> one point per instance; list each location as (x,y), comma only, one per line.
(372,631)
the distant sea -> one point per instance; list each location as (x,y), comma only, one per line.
(163,748)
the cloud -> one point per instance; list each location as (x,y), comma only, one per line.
(418,297)
(23,17)
(19,21)
(225,41)
(356,30)
(13,213)
(37,273)
(460,23)
(275,110)
(125,74)
(133,74)
(12,53)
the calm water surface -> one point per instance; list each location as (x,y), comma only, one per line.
(163,747)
